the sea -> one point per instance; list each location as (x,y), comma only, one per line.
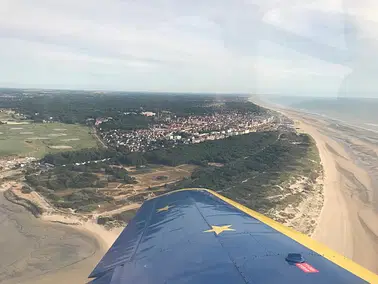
(357,112)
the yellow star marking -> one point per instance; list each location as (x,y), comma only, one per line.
(219,229)
(164,208)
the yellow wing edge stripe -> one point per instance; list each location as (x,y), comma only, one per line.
(321,249)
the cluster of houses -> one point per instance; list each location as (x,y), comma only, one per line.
(187,130)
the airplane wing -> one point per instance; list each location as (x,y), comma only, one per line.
(199,236)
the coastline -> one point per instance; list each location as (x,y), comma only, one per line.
(347,222)
(79,272)
(340,210)
(74,244)
(104,237)
(302,217)
(40,208)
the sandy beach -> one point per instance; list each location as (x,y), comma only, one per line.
(64,249)
(41,250)
(348,222)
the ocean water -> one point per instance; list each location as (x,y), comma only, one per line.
(360,112)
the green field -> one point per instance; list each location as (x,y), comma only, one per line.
(38,139)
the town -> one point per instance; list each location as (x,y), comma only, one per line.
(172,130)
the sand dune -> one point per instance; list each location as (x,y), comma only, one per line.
(45,251)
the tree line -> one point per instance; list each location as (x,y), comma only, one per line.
(247,168)
(252,179)
(218,151)
(84,107)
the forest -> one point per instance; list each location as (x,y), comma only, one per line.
(218,151)
(247,168)
(124,108)
(252,179)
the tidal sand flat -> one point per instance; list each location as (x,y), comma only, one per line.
(36,251)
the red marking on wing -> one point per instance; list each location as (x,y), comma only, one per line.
(305,267)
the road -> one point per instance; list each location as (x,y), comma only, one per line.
(98,138)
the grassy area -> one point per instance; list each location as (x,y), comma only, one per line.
(87,188)
(38,139)
(158,176)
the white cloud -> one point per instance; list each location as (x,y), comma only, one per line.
(223,46)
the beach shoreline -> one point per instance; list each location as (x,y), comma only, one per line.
(348,221)
(74,244)
(79,272)
(103,236)
(345,222)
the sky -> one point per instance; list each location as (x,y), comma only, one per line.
(320,47)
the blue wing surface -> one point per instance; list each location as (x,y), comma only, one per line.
(199,236)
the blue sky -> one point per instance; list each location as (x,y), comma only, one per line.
(321,47)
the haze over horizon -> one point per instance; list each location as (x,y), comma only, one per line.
(322,48)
